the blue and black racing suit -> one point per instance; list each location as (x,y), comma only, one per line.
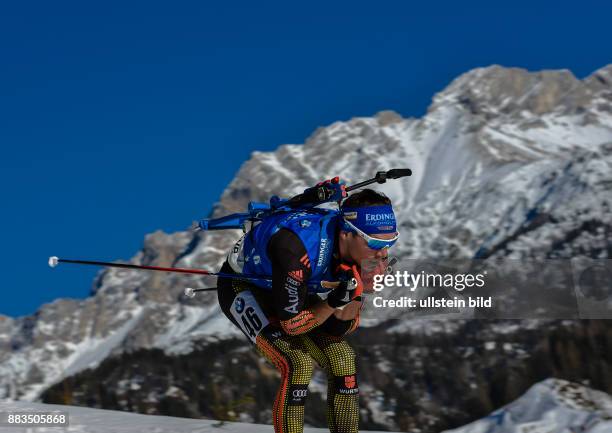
(297,250)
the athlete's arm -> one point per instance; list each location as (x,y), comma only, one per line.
(290,272)
(349,312)
(343,321)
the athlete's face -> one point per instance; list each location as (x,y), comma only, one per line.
(354,249)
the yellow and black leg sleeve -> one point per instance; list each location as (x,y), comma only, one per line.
(337,358)
(290,357)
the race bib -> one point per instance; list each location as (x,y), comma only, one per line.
(248,314)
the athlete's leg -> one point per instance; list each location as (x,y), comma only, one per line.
(245,307)
(337,358)
(289,355)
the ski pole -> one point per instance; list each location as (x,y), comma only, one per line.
(54,261)
(190,293)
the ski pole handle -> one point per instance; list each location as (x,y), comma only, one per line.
(396,173)
(381,177)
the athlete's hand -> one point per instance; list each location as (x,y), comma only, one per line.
(349,288)
(331,190)
(323,192)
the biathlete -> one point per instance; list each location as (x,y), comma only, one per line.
(295,320)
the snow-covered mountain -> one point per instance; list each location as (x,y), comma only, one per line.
(551,406)
(506,162)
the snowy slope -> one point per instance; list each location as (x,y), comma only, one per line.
(85,420)
(552,406)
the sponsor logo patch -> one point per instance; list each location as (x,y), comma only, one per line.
(350,381)
(379,217)
(298,394)
(297,275)
(323,246)
(239,304)
(291,288)
(347,385)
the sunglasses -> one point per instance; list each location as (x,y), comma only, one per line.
(373,243)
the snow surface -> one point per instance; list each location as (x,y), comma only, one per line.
(551,406)
(86,420)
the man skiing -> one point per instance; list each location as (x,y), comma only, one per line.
(294,320)
(293,285)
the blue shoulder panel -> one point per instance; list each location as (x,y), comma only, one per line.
(316,229)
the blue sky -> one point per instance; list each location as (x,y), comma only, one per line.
(118,119)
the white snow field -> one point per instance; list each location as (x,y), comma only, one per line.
(88,420)
(550,406)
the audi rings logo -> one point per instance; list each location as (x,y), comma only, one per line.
(299,393)
(239,304)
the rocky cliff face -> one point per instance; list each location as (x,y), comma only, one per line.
(506,163)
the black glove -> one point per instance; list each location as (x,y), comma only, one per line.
(326,191)
(349,288)
(343,294)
